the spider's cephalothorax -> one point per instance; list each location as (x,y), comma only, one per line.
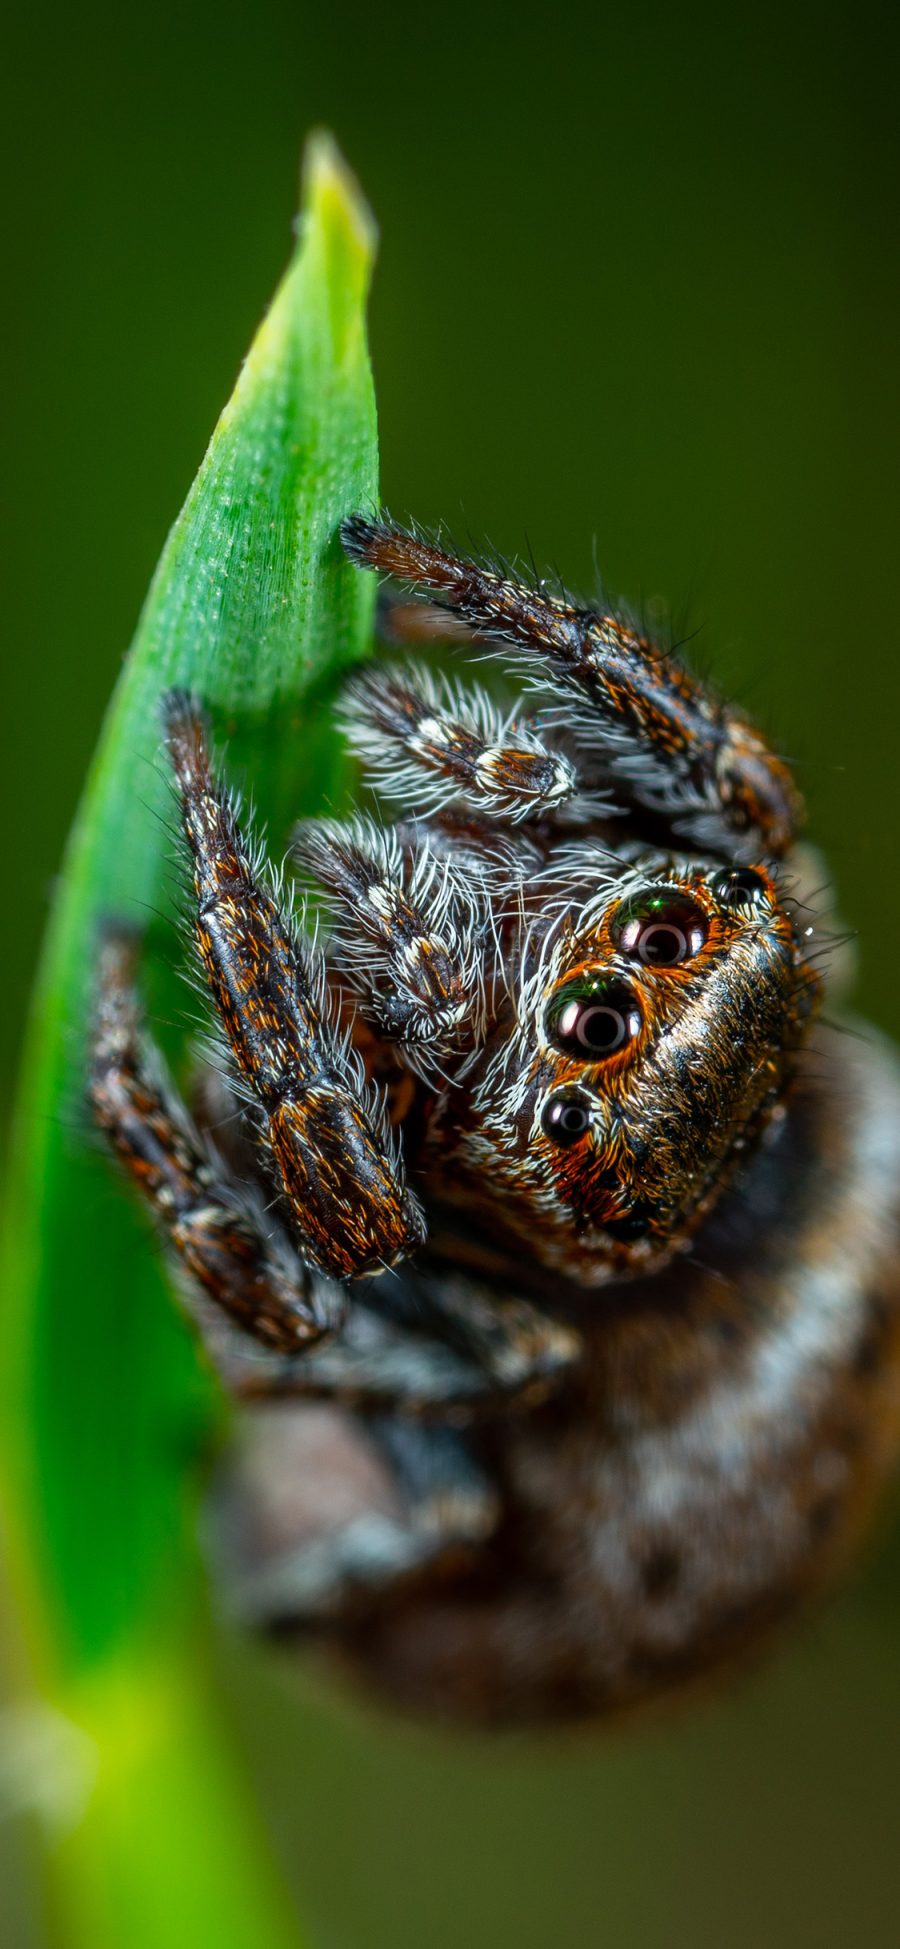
(647,1023)
(538,1130)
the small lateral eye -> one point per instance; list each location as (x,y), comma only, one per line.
(567,1116)
(739,887)
(593,1017)
(661,927)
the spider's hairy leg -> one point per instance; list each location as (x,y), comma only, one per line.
(638,712)
(521,1352)
(422,1345)
(374,1363)
(318,1120)
(407,928)
(431,743)
(218,1230)
(410,1499)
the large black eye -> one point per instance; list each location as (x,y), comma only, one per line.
(661,927)
(593,1017)
(739,887)
(566,1116)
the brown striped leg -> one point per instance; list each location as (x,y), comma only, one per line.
(647,722)
(218,1230)
(319,1120)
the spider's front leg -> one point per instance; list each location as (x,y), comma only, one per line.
(641,719)
(319,1122)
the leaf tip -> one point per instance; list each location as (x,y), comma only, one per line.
(333,202)
(327,278)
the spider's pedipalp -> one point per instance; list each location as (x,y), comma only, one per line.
(643,720)
(429,742)
(319,1122)
(219,1230)
(406,929)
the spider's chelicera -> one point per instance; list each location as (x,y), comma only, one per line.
(528,1179)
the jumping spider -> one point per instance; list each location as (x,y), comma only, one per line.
(554,1247)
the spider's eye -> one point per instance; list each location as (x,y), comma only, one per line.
(739,887)
(661,927)
(567,1116)
(593,1017)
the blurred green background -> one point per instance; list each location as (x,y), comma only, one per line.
(637,293)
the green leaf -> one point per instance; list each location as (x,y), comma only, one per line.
(254,607)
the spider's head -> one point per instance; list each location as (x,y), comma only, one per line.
(656,1034)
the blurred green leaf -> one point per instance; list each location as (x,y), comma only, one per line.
(253,607)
